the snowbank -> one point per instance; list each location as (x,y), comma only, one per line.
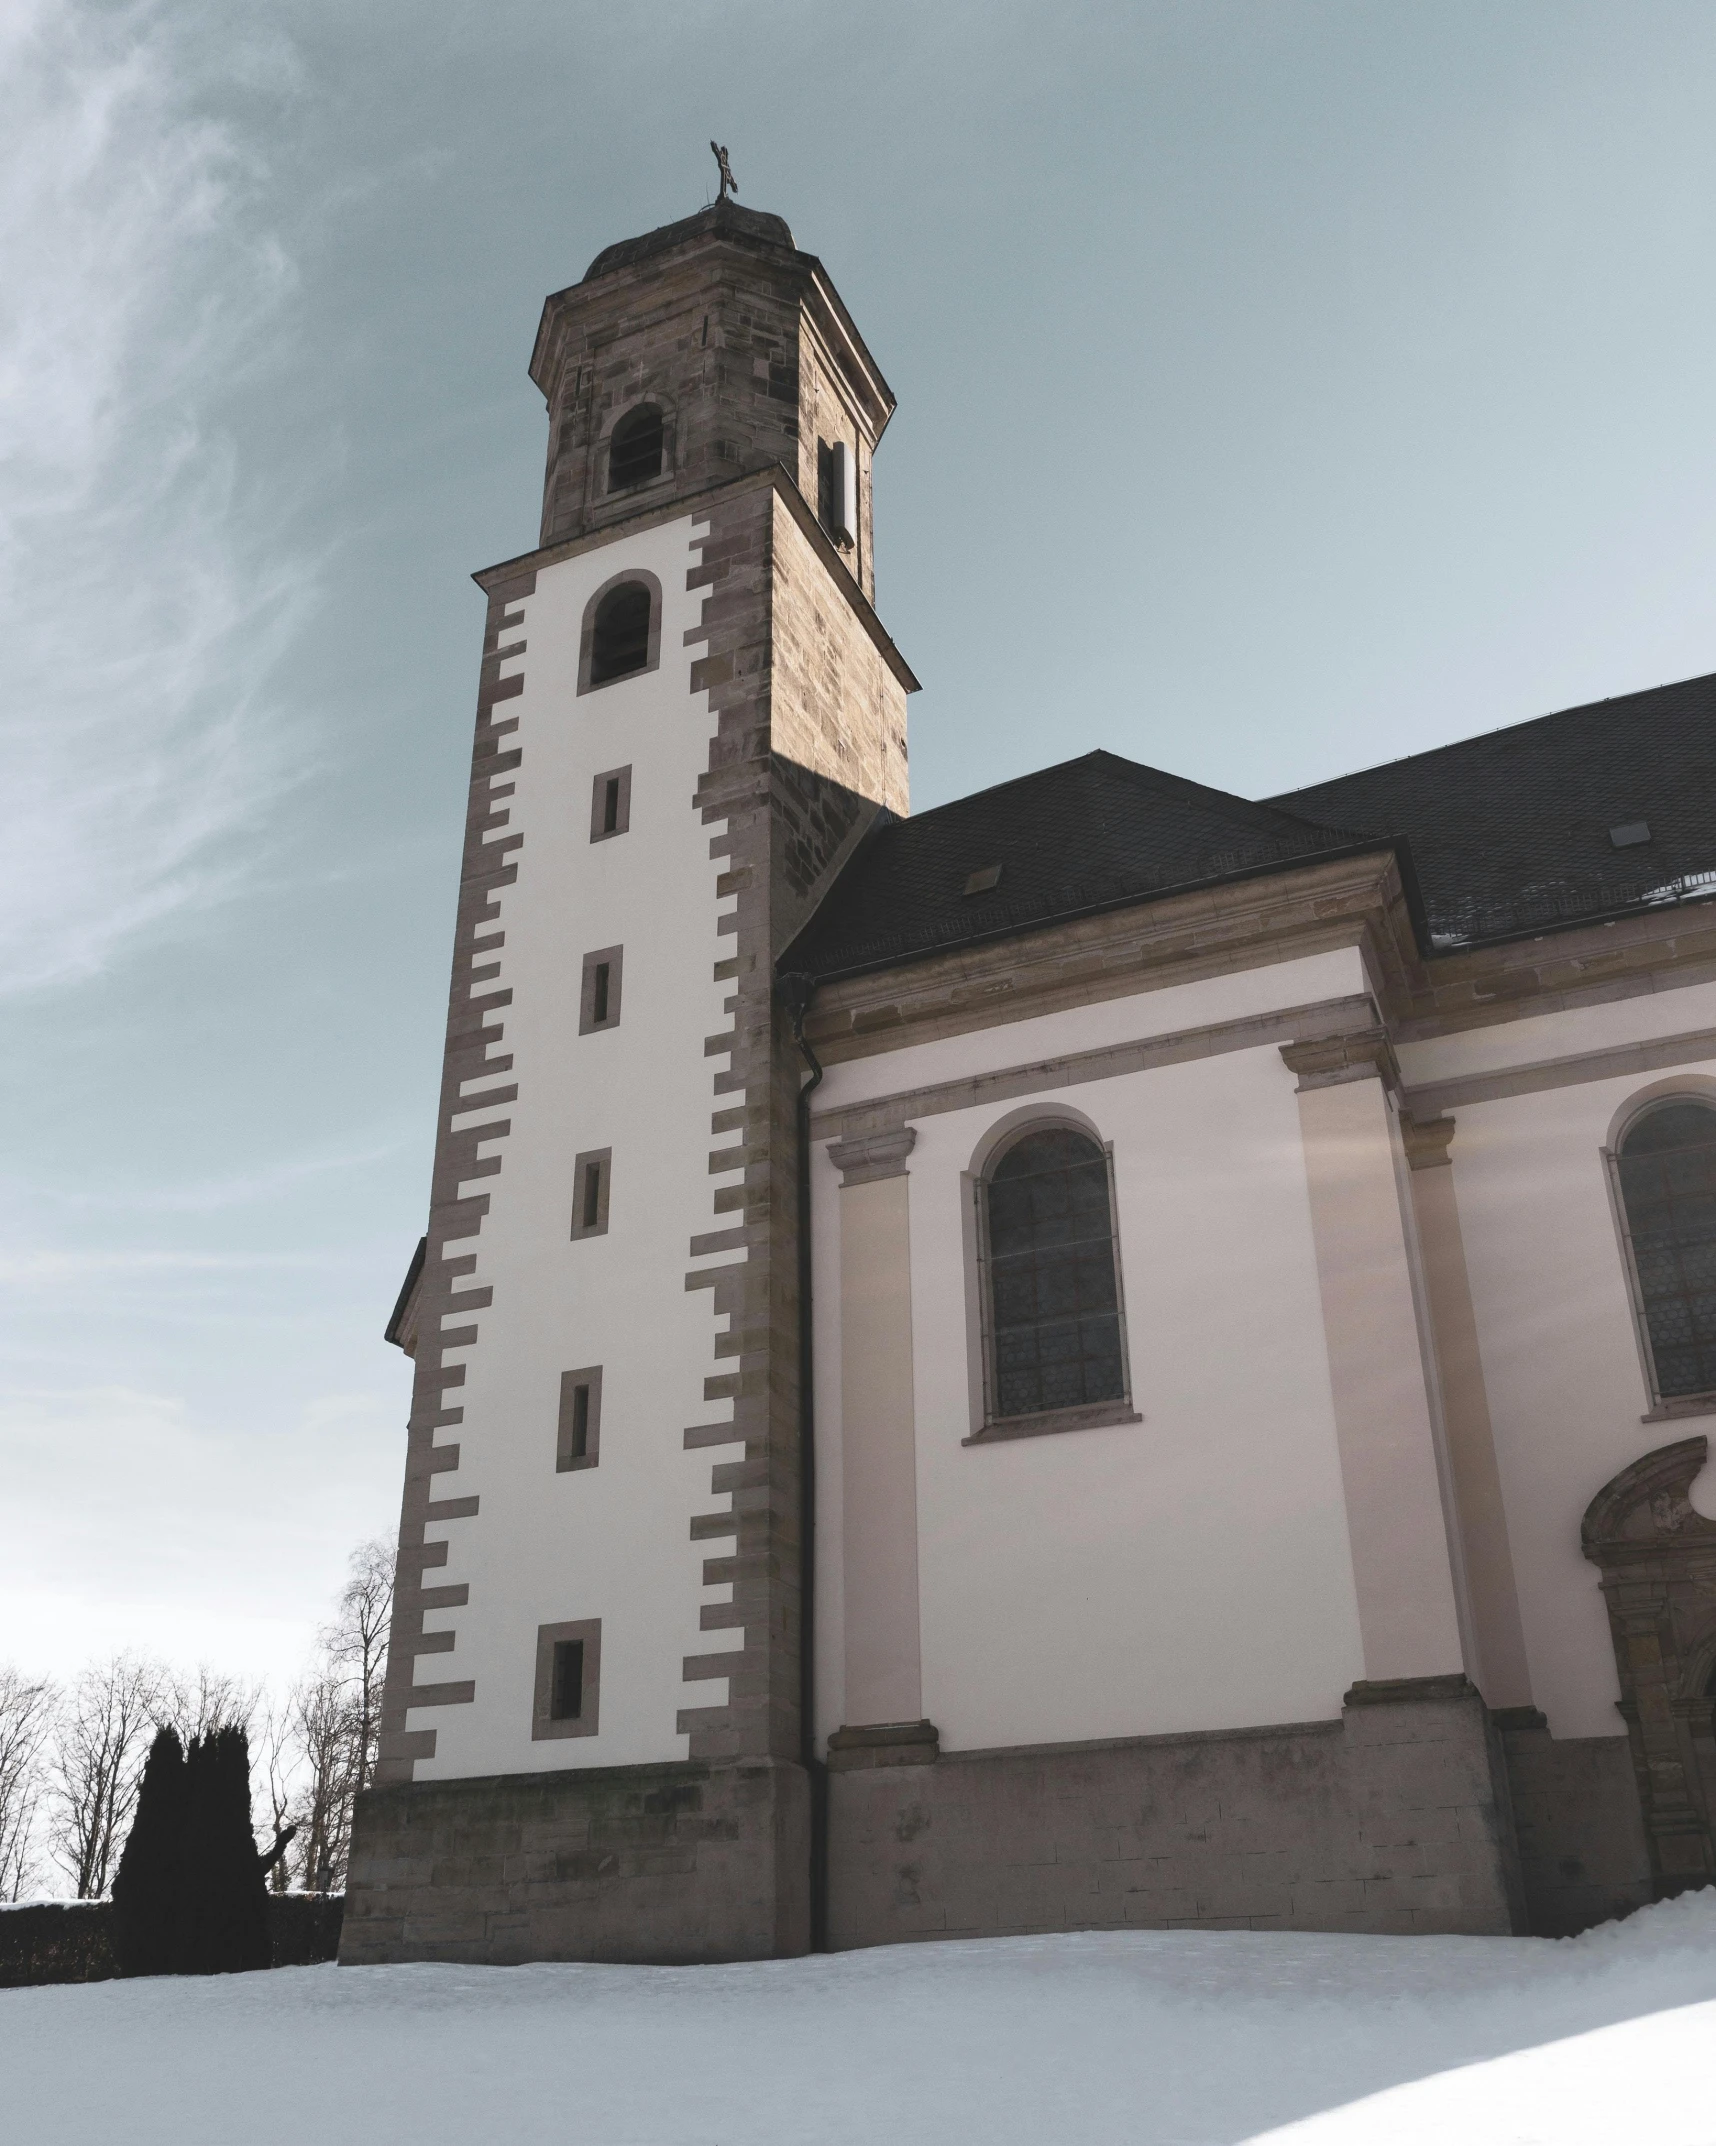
(1144,2037)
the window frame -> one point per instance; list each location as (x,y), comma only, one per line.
(566,1458)
(613,959)
(602,1160)
(544,1724)
(621,778)
(990,1428)
(1660,1407)
(641,577)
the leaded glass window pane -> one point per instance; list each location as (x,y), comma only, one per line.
(1054,1305)
(1668,1188)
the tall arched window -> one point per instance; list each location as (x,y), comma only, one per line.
(1051,1280)
(635,448)
(620,632)
(1667,1172)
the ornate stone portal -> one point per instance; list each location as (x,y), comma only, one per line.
(1657,1556)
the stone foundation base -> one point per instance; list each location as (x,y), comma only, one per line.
(1394,1818)
(1400,1816)
(1582,1849)
(666,1864)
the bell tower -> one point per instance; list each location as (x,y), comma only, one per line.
(688,713)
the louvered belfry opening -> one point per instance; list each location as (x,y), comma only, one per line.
(1668,1189)
(1054,1299)
(619,642)
(635,450)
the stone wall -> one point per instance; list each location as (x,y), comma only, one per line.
(1394,1818)
(669,1864)
(837,704)
(1582,1851)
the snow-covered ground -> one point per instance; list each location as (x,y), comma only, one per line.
(1144,2037)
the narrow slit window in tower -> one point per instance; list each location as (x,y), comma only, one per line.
(610,803)
(578,1440)
(591,1181)
(567,1703)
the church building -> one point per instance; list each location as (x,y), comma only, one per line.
(1106,1355)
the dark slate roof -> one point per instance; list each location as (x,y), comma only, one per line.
(1088,834)
(723,218)
(1510,832)
(1507,833)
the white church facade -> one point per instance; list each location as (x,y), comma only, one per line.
(1106,1355)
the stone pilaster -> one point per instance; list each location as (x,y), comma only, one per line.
(1408,1621)
(878,1432)
(1501,1668)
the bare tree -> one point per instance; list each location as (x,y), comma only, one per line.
(209,1701)
(273,1754)
(326,1726)
(335,1717)
(26,1716)
(101,1739)
(356,1646)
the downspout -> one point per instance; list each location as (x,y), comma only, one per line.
(796,993)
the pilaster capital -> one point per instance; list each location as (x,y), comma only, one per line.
(1427,1141)
(1328,1061)
(869,1156)
(896,1743)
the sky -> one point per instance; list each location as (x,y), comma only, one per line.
(1285,386)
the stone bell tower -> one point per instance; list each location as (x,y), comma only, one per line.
(688,713)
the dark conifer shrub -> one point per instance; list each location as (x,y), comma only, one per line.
(226,1895)
(148,1896)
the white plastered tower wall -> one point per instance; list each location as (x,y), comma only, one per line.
(608,1542)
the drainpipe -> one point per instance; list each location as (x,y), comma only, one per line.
(796,994)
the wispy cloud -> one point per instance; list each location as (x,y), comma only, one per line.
(270,1183)
(138,624)
(78,1267)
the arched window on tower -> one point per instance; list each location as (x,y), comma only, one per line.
(1051,1276)
(1666,1169)
(635,448)
(620,633)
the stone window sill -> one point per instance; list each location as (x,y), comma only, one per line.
(1691,1404)
(1093,1417)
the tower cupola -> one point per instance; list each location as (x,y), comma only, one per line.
(698,353)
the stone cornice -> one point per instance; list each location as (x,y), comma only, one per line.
(1305,907)
(878,1115)
(697,506)
(1311,908)
(1577,965)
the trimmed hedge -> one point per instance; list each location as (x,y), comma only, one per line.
(72,1940)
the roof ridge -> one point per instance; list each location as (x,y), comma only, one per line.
(1010,782)
(1143,774)
(1501,730)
